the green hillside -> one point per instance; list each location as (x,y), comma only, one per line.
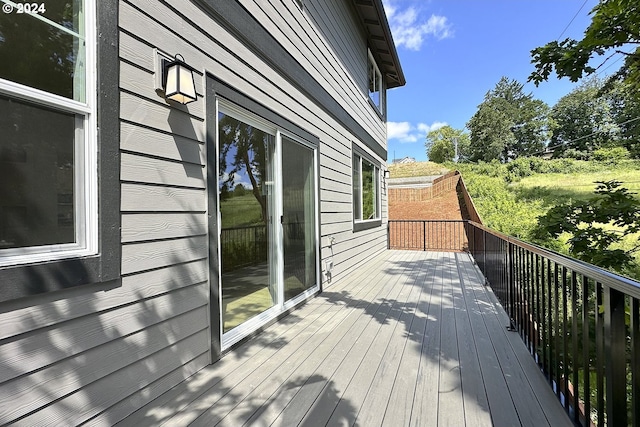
(511,197)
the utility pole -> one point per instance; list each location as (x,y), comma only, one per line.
(455,146)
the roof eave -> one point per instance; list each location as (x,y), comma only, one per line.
(374,20)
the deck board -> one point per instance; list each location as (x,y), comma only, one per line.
(476,404)
(375,406)
(409,338)
(400,402)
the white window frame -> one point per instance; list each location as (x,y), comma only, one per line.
(375,80)
(378,207)
(85,155)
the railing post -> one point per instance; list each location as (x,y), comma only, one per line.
(424,236)
(574,348)
(615,360)
(586,344)
(484,251)
(511,282)
(255,243)
(635,361)
(388,234)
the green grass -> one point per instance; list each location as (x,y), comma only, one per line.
(239,211)
(574,186)
(410,170)
(511,203)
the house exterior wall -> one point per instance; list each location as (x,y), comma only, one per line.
(90,355)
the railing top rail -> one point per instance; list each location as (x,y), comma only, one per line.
(428,220)
(245,227)
(606,278)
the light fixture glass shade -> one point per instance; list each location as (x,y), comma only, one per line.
(179,83)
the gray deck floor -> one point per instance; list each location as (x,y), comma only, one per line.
(409,339)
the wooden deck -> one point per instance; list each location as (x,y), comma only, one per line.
(409,339)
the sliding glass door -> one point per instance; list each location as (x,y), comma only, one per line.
(267,238)
(299,218)
(247,243)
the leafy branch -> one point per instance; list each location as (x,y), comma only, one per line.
(614,23)
(587,223)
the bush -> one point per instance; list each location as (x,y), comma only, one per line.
(499,207)
(520,167)
(572,153)
(611,155)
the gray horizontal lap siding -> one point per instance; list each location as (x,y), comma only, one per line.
(88,355)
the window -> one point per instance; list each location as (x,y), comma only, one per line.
(366,191)
(50,188)
(45,116)
(376,92)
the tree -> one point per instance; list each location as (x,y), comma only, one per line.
(585,221)
(508,124)
(614,29)
(491,134)
(625,108)
(42,56)
(441,144)
(584,121)
(244,149)
(239,190)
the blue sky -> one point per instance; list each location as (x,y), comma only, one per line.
(453,51)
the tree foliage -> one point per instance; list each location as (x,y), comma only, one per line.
(584,121)
(625,108)
(38,55)
(614,28)
(441,143)
(243,150)
(508,124)
(589,224)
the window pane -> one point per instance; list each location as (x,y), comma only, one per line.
(357,199)
(247,242)
(299,220)
(375,83)
(38,54)
(36,175)
(376,192)
(368,191)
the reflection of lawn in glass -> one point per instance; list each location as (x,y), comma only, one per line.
(245,294)
(237,211)
(293,287)
(240,309)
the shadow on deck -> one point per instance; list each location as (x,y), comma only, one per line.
(409,338)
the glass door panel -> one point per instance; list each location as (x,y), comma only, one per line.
(247,243)
(299,218)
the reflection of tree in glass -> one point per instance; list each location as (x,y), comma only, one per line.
(38,54)
(368,191)
(243,149)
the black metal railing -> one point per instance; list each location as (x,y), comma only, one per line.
(243,246)
(580,323)
(248,245)
(427,235)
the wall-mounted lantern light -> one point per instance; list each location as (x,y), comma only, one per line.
(177,80)
(386,174)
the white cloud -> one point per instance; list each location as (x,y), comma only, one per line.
(398,130)
(238,178)
(407,133)
(410,28)
(433,126)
